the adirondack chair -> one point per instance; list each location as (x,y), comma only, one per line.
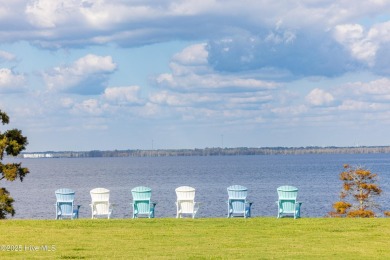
(65,207)
(185,203)
(141,202)
(287,202)
(238,206)
(101,205)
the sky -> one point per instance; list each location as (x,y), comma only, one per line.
(79,75)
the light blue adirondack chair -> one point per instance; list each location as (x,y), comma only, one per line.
(65,207)
(141,202)
(287,202)
(238,206)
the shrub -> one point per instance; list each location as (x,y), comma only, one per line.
(357,195)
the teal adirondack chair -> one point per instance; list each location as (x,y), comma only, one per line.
(287,202)
(65,207)
(141,202)
(238,206)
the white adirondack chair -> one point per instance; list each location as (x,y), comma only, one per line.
(185,203)
(101,205)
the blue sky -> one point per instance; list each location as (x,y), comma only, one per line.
(115,74)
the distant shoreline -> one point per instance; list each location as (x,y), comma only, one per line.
(217,151)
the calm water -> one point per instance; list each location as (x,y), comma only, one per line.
(316,176)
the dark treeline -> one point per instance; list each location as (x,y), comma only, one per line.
(218,152)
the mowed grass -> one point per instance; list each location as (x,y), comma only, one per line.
(211,238)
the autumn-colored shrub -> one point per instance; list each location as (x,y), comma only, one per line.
(341,207)
(361,214)
(357,195)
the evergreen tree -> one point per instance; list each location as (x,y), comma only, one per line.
(12,142)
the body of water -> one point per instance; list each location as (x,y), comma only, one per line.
(316,176)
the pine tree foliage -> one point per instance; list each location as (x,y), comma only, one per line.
(12,142)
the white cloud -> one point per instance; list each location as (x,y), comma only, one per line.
(90,64)
(164,97)
(214,82)
(150,110)
(369,46)
(191,72)
(182,99)
(261,32)
(319,97)
(127,95)
(64,23)
(67,102)
(10,81)
(377,90)
(192,59)
(6,56)
(290,111)
(355,39)
(87,75)
(51,14)
(89,106)
(362,106)
(192,55)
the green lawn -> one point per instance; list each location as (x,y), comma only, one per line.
(212,238)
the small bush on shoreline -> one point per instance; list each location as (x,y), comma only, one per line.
(358,193)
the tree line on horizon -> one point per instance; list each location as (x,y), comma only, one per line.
(217,151)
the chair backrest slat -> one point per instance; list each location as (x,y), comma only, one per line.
(237,192)
(141,193)
(185,193)
(100,194)
(65,195)
(287,192)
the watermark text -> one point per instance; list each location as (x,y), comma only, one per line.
(31,248)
